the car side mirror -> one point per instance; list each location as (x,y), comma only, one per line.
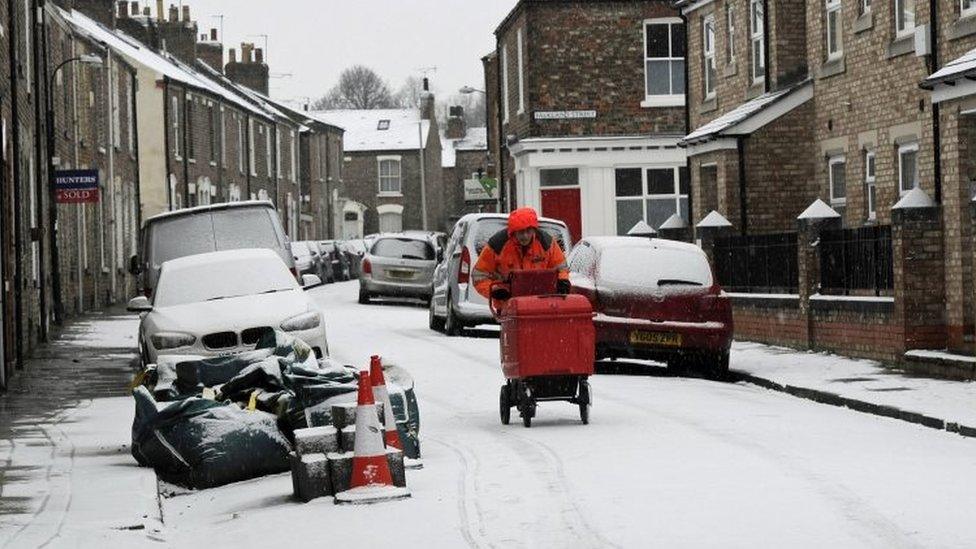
(135,268)
(310,281)
(139,304)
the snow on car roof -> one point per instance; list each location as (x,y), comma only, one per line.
(640,242)
(211,207)
(194,261)
(479,216)
(363,133)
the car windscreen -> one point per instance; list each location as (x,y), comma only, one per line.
(403,248)
(217,230)
(648,267)
(218,280)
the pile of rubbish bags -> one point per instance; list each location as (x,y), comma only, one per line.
(204,422)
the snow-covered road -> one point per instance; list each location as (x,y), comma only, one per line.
(665,462)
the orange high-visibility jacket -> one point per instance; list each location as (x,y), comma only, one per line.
(503,254)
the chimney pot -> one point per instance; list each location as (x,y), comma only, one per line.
(186,14)
(213,35)
(426,84)
(259,56)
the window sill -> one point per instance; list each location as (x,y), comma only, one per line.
(214,164)
(730,70)
(755,90)
(965,26)
(708,105)
(389,195)
(832,67)
(651,101)
(902,45)
(863,23)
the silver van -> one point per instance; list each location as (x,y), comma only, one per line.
(455,303)
(204,229)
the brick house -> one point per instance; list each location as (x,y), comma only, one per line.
(590,110)
(464,155)
(391,170)
(838,115)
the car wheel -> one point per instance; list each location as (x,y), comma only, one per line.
(716,366)
(452,324)
(363,296)
(678,365)
(436,324)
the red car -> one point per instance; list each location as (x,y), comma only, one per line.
(654,299)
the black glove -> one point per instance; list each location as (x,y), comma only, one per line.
(501,293)
(563,286)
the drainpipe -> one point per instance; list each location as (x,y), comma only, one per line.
(186,148)
(112,106)
(18,229)
(691,204)
(166,145)
(133,112)
(936,128)
(40,70)
(740,143)
(423,175)
(502,145)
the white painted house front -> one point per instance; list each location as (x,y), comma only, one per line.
(602,186)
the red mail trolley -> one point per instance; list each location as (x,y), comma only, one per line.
(547,346)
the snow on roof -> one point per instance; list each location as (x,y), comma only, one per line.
(714,219)
(957,68)
(363,133)
(915,198)
(818,210)
(740,114)
(476,139)
(163,64)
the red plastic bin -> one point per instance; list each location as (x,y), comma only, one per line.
(548,335)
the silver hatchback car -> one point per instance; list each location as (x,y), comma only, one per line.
(398,265)
(455,303)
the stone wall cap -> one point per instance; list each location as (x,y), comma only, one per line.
(818,210)
(915,198)
(713,219)
(641,229)
(674,222)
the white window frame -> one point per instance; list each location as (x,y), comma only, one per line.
(904,27)
(833,8)
(176,127)
(709,72)
(837,201)
(908,147)
(757,42)
(294,157)
(730,27)
(116,111)
(277,135)
(521,80)
(865,6)
(504,62)
(252,160)
(670,99)
(223,138)
(967,11)
(870,183)
(380,177)
(267,146)
(645,195)
(130,105)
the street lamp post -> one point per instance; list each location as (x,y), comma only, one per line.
(85,59)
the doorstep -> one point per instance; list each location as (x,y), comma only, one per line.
(940,363)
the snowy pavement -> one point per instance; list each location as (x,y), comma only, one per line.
(66,476)
(666,461)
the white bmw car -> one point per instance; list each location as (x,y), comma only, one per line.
(221,303)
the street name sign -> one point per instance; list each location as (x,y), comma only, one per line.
(563,115)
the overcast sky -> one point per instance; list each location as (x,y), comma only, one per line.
(313,40)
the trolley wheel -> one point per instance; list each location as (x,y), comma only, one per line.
(585,399)
(528,407)
(505,405)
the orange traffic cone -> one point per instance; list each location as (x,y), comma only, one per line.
(371,480)
(391,437)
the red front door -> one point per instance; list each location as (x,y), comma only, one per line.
(564,204)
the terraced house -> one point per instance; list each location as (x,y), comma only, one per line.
(590,103)
(814,110)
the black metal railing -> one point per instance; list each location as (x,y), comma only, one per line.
(764,263)
(857,261)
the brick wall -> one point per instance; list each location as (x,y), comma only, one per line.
(360,172)
(584,56)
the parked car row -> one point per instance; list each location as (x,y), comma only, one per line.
(653,298)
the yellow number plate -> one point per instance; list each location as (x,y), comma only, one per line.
(664,339)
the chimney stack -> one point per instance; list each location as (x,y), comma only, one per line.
(174,14)
(249,72)
(259,56)
(146,11)
(160,15)
(246,50)
(123,7)
(186,13)
(231,56)
(213,35)
(456,128)
(135,8)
